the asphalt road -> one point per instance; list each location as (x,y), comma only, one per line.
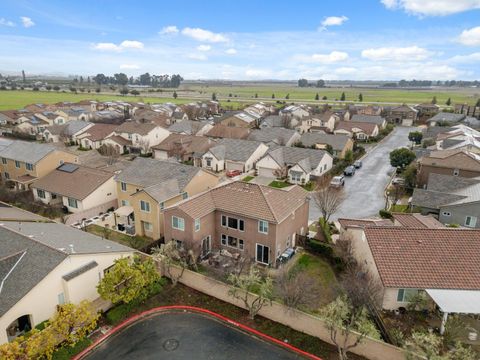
(364,192)
(185,336)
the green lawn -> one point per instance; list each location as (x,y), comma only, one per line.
(279,184)
(136,242)
(19,98)
(247,178)
(322,272)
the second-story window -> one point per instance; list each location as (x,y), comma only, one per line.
(123,186)
(233,223)
(29,166)
(4,161)
(263,226)
(197,224)
(178,223)
(72,203)
(17,164)
(144,206)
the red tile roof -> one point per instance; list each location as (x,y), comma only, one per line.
(417,221)
(345,223)
(426,258)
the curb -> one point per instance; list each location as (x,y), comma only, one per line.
(193,309)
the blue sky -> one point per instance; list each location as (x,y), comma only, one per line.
(356,39)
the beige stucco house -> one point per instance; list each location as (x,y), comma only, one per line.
(148,186)
(45,265)
(142,135)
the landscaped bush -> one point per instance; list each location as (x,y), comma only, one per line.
(321,248)
(67,352)
(325,226)
(384,214)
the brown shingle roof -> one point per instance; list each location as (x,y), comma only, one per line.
(368,128)
(77,184)
(133,127)
(189,143)
(231,132)
(426,258)
(455,159)
(250,200)
(100,131)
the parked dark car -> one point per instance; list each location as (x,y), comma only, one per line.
(349,170)
(357,164)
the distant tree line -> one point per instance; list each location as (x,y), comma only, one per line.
(304,83)
(427,83)
(166,81)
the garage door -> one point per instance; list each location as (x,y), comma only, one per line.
(265,172)
(234,166)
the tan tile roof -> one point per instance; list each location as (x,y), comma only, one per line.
(426,258)
(250,200)
(231,132)
(345,223)
(77,184)
(416,220)
(189,143)
(100,131)
(133,127)
(368,128)
(455,159)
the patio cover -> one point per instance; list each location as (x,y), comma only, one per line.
(456,301)
(124,210)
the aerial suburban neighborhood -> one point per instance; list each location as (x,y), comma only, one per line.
(181,182)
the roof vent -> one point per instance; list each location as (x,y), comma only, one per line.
(419,241)
(72,250)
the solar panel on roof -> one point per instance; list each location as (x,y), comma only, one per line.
(69,168)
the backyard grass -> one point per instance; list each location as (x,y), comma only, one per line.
(309,186)
(320,270)
(399,208)
(247,178)
(279,184)
(182,295)
(136,242)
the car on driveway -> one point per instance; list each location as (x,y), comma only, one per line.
(349,170)
(357,164)
(233,173)
(337,181)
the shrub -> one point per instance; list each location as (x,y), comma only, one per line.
(325,226)
(321,248)
(384,214)
(68,352)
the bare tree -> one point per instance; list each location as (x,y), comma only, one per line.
(286,121)
(191,111)
(328,199)
(281,173)
(178,150)
(144,145)
(109,151)
(252,289)
(175,259)
(296,289)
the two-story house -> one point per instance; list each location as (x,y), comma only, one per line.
(142,135)
(255,221)
(148,186)
(24,162)
(339,144)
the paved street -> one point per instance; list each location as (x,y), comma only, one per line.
(364,191)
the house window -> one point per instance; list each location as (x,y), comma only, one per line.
(178,223)
(147,226)
(262,254)
(17,164)
(263,226)
(29,166)
(41,194)
(470,221)
(72,203)
(197,224)
(296,176)
(456,172)
(208,161)
(404,295)
(231,241)
(446,213)
(123,186)
(144,206)
(61,298)
(7,175)
(4,161)
(233,223)
(125,203)
(162,205)
(184,195)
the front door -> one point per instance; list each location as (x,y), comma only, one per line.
(206,246)
(262,254)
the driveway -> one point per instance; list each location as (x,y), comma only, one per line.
(364,192)
(182,336)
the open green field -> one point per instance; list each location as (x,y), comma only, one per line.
(457,95)
(17,99)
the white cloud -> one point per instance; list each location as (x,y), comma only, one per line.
(131,44)
(126,44)
(333,21)
(129,66)
(257,73)
(471,58)
(5,22)
(172,29)
(470,37)
(204,47)
(201,57)
(333,57)
(26,21)
(231,51)
(204,35)
(345,70)
(432,7)
(410,53)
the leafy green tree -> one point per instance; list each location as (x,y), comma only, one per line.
(256,95)
(478,103)
(287,97)
(48,87)
(273,96)
(121,79)
(429,346)
(401,157)
(324,98)
(410,176)
(416,137)
(329,149)
(123,91)
(214,97)
(448,102)
(175,95)
(252,289)
(317,97)
(348,325)
(302,83)
(348,158)
(320,83)
(434,100)
(134,92)
(97,90)
(343,97)
(128,280)
(360,97)
(56,88)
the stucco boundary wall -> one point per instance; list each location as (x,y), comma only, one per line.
(297,320)
(86,214)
